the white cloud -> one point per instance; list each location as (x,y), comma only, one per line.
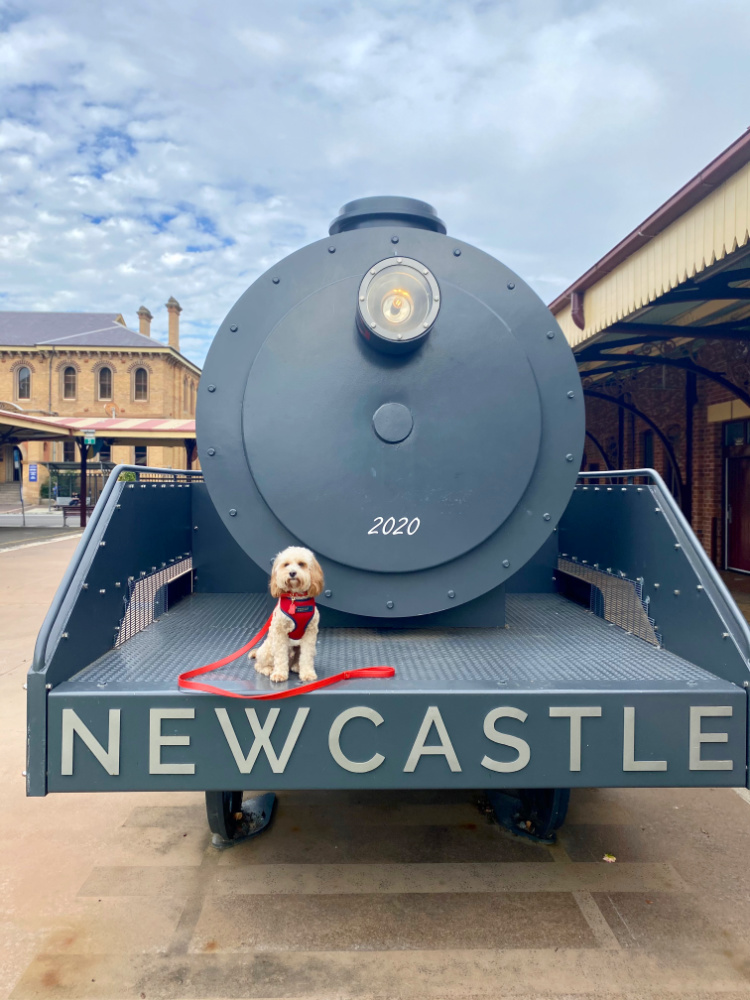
(149,150)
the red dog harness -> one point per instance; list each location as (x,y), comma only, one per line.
(300,609)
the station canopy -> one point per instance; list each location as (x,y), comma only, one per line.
(677,282)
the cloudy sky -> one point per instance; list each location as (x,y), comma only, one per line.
(181,147)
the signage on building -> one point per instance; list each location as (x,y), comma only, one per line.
(89,437)
(33,475)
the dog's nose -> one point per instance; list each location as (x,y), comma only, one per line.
(292,574)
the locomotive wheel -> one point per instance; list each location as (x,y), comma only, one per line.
(221,810)
(534,813)
(231,820)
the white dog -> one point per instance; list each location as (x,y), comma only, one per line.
(296,580)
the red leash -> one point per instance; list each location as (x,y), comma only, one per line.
(186,682)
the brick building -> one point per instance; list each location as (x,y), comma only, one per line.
(90,365)
(661,330)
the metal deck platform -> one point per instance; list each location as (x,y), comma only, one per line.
(549,643)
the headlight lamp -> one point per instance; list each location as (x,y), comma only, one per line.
(399,300)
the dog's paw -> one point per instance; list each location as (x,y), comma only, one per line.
(279,675)
(262,669)
(308,675)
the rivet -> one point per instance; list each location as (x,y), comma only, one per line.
(547,517)
(331,249)
(456,252)
(85,586)
(451,593)
(102,590)
(118,584)
(399,260)
(676,593)
(511,285)
(47,687)
(233,328)
(389,604)
(64,635)
(568,458)
(657,510)
(118,506)
(699,587)
(212,388)
(361,298)
(506,563)
(195,528)
(394,239)
(571,394)
(677,545)
(425,271)
(656,586)
(275,280)
(724,635)
(372,270)
(23,774)
(233,512)
(328,593)
(25,687)
(102,544)
(550,335)
(211,451)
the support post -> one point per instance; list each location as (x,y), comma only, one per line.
(691,398)
(84,472)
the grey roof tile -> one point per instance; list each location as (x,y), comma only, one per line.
(62,329)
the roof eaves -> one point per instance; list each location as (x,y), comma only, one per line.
(718,170)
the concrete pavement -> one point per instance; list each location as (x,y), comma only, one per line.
(355,895)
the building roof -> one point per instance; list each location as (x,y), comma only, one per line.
(705,222)
(68,329)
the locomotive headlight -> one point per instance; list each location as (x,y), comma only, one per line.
(399,300)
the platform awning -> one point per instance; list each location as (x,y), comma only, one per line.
(126,430)
(19,427)
(688,264)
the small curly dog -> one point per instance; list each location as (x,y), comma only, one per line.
(296,580)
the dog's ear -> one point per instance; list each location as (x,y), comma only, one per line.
(273,582)
(316,578)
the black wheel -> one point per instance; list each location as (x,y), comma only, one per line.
(536,813)
(222,809)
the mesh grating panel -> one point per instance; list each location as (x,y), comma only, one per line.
(616,599)
(147,599)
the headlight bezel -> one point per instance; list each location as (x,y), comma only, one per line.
(375,328)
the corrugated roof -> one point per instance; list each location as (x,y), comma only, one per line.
(63,329)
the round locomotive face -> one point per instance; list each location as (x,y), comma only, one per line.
(401,403)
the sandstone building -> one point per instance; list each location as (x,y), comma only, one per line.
(92,365)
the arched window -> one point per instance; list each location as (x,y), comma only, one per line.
(192,398)
(69,382)
(105,383)
(140,384)
(24,383)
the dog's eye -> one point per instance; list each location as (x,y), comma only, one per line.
(302,565)
(285,565)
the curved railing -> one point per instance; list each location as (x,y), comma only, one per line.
(141,472)
(710,575)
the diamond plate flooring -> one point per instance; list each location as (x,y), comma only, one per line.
(548,640)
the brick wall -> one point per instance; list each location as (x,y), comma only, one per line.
(660,393)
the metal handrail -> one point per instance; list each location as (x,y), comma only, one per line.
(40,649)
(667,500)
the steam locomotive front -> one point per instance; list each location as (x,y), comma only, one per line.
(398,401)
